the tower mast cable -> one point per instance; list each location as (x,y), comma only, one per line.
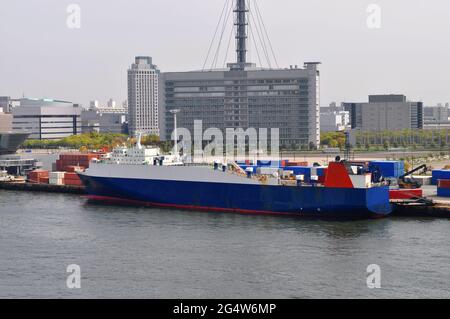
(215,34)
(260,35)
(258,12)
(225,22)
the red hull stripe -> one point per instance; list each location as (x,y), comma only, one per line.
(116,200)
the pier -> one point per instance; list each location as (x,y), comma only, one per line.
(47,188)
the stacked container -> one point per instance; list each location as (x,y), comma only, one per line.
(75,159)
(443,188)
(440,174)
(72,179)
(38,176)
(57,178)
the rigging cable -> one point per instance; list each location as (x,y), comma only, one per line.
(225,22)
(258,11)
(215,34)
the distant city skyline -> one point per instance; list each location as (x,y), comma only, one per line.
(42,57)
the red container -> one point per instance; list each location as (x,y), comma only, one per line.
(71,176)
(75,159)
(444,183)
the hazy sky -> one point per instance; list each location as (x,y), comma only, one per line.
(41,57)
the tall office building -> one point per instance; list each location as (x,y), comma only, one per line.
(244,96)
(143,97)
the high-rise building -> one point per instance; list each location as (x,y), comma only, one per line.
(244,96)
(386,113)
(143,97)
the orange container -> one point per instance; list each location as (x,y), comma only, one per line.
(37,175)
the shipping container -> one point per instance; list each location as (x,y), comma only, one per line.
(71,176)
(443,192)
(388,168)
(75,159)
(440,174)
(37,176)
(56,181)
(444,183)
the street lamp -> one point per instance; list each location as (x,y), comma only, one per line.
(175,139)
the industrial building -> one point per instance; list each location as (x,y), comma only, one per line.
(332,119)
(6,104)
(436,114)
(143,98)
(47,119)
(103,122)
(384,113)
(244,96)
(109,118)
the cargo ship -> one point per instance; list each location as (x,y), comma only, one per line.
(144,177)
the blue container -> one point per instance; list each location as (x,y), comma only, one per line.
(264,163)
(439,174)
(388,168)
(321,171)
(275,164)
(443,192)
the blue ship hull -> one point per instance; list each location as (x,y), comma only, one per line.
(317,202)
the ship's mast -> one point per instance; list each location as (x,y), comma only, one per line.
(241,32)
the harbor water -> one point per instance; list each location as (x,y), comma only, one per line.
(157,253)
